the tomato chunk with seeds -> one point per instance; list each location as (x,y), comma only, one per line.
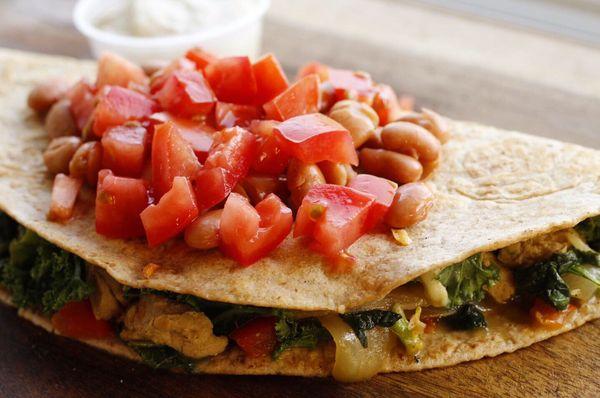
(186,93)
(83,100)
(257,338)
(249,234)
(124,150)
(271,158)
(232,79)
(299,99)
(229,160)
(351,85)
(173,213)
(333,217)
(230,115)
(200,57)
(270,78)
(197,133)
(119,202)
(315,137)
(118,105)
(383,190)
(172,156)
(114,70)
(159,78)
(76,320)
(64,194)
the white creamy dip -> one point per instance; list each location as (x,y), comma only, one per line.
(152,18)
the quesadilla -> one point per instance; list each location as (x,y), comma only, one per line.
(507,256)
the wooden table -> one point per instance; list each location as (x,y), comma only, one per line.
(498,75)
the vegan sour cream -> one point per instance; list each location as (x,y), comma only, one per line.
(152,18)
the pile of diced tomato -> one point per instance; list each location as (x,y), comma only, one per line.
(175,145)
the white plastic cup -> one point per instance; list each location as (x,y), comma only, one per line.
(241,36)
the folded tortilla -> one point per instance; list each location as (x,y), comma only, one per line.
(493,188)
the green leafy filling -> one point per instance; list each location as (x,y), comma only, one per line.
(305,333)
(162,356)
(589,230)
(362,321)
(465,281)
(466,317)
(8,231)
(42,276)
(544,279)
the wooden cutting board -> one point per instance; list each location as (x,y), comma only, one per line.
(37,364)
(491,90)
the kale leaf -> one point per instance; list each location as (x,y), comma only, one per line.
(589,230)
(42,276)
(305,333)
(467,316)
(8,231)
(465,281)
(544,279)
(236,316)
(362,321)
(162,356)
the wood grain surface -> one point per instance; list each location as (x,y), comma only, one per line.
(507,93)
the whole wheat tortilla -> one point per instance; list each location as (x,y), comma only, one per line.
(493,188)
(441,349)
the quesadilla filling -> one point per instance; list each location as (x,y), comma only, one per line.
(537,282)
(228,154)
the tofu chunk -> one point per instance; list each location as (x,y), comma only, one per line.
(164,322)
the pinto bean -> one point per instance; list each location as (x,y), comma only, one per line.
(259,186)
(334,173)
(203,233)
(430,120)
(86,162)
(410,206)
(391,165)
(60,121)
(357,117)
(45,94)
(411,139)
(301,178)
(59,153)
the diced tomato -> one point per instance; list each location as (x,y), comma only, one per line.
(119,202)
(314,67)
(271,158)
(200,57)
(315,137)
(83,101)
(270,78)
(257,338)
(228,161)
(64,194)
(346,84)
(197,133)
(229,115)
(186,94)
(76,320)
(124,150)
(173,213)
(299,99)
(118,105)
(172,156)
(159,78)
(249,234)
(386,104)
(232,79)
(334,217)
(545,315)
(383,190)
(351,85)
(114,70)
